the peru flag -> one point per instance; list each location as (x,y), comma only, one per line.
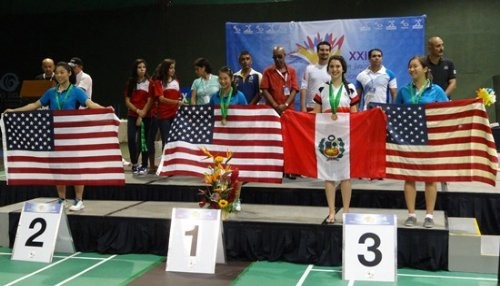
(353,146)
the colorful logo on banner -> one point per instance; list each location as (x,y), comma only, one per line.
(399,38)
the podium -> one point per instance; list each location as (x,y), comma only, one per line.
(35,88)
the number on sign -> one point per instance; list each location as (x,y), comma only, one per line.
(31,240)
(373,248)
(194,241)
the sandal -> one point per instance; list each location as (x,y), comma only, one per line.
(328,220)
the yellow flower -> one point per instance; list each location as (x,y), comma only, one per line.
(487,95)
(223,204)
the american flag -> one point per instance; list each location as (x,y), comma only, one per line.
(252,134)
(440,142)
(73,147)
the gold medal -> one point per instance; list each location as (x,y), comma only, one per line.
(334,116)
(223,121)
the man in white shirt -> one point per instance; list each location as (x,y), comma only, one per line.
(83,80)
(376,83)
(314,76)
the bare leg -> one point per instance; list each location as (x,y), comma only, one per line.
(79,192)
(430,197)
(410,192)
(330,199)
(346,190)
(61,191)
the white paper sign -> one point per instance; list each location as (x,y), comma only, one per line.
(369,247)
(195,243)
(39,230)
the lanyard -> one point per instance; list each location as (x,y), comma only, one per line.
(224,106)
(285,77)
(334,101)
(415,98)
(60,105)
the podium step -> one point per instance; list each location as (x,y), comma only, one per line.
(468,250)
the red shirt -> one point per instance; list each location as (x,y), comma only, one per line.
(140,95)
(170,91)
(276,82)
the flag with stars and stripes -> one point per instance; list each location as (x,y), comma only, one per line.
(252,133)
(440,142)
(67,147)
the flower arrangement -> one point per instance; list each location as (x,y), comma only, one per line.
(224,187)
(487,95)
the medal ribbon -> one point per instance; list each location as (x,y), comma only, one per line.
(334,100)
(224,106)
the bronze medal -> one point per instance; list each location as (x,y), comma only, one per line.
(223,121)
(334,116)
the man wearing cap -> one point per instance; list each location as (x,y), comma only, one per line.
(83,80)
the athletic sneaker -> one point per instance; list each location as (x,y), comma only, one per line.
(428,222)
(77,206)
(142,170)
(411,221)
(63,202)
(135,170)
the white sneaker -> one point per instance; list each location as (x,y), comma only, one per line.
(77,206)
(237,205)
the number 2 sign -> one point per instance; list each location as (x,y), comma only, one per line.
(369,247)
(195,241)
(38,232)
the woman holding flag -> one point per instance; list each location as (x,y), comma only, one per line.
(420,90)
(63,96)
(335,96)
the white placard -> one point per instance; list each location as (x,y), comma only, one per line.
(195,243)
(39,230)
(369,247)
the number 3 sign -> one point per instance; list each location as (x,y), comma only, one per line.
(41,227)
(369,247)
(195,241)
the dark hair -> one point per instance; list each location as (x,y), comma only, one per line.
(202,62)
(374,50)
(323,43)
(132,80)
(344,70)
(243,53)
(161,72)
(425,64)
(65,65)
(227,70)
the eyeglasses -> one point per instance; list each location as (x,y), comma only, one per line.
(278,57)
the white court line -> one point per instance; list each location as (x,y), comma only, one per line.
(41,269)
(86,270)
(351,282)
(63,256)
(304,275)
(422,275)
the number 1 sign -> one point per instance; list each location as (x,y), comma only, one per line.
(369,247)
(195,242)
(40,228)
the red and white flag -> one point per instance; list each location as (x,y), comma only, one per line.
(353,146)
(252,133)
(67,147)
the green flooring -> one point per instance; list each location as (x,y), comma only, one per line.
(286,274)
(78,269)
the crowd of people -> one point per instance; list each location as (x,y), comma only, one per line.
(152,102)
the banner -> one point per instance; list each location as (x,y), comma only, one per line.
(353,146)
(62,147)
(399,38)
(252,133)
